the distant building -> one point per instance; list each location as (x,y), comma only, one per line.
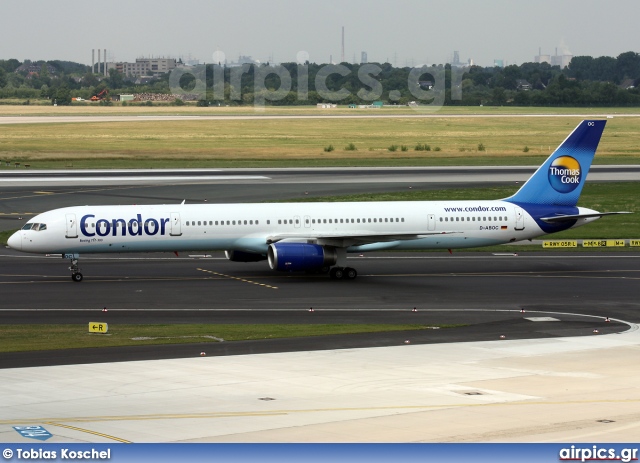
(522,85)
(556,60)
(34,69)
(147,66)
(242,59)
(363,57)
(499,63)
(561,60)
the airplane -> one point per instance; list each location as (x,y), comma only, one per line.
(316,237)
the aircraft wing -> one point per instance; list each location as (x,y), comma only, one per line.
(347,239)
(566,218)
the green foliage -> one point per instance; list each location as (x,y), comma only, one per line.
(585,82)
(526,149)
(404,148)
(393,148)
(481,147)
(437,148)
(61,96)
(328,149)
(351,147)
(423,147)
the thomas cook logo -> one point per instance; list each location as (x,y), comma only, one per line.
(565,174)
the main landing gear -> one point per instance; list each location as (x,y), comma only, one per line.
(343,273)
(75,270)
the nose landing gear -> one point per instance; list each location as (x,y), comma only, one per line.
(75,269)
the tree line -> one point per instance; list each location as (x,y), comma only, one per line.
(587,81)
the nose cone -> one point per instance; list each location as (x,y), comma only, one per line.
(15,241)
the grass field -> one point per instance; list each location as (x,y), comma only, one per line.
(93,109)
(302,142)
(18,338)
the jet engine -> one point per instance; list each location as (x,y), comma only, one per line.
(296,257)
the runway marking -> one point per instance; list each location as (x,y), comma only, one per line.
(169,416)
(89,432)
(238,279)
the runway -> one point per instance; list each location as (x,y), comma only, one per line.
(555,372)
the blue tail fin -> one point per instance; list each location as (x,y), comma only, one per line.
(560,179)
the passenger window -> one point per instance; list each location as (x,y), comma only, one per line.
(402,220)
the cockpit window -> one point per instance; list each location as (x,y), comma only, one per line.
(35,226)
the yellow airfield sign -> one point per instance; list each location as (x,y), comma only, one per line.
(98,327)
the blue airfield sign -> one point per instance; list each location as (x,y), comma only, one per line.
(33,432)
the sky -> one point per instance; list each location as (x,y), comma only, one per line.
(402,32)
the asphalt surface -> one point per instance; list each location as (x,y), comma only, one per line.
(482,291)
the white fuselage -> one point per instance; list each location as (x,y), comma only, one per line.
(251,227)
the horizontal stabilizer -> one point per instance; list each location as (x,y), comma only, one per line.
(568,218)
